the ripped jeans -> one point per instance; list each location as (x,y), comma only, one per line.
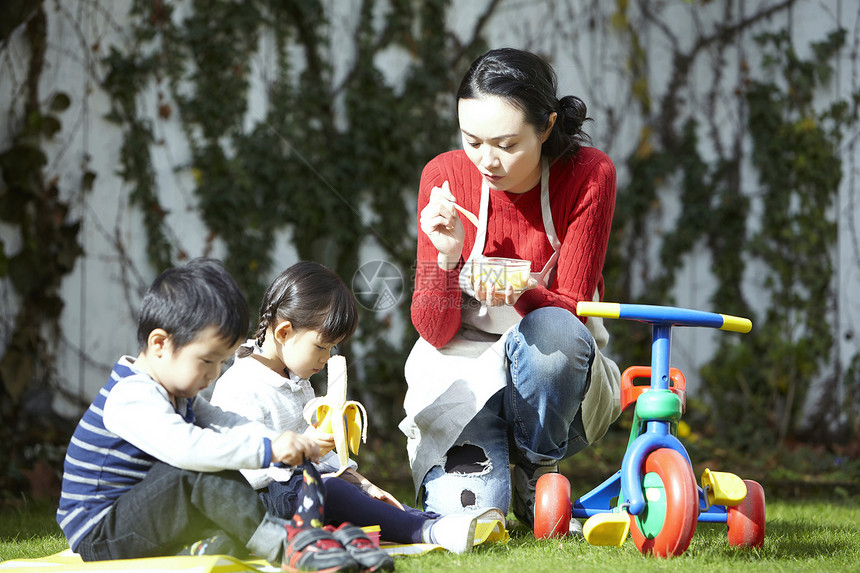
(535,420)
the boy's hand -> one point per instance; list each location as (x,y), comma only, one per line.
(324,440)
(291,448)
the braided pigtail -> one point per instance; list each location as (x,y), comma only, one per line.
(260,335)
(266,321)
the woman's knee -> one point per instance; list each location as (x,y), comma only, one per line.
(551,328)
(467,479)
(551,340)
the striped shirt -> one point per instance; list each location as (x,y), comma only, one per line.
(101,465)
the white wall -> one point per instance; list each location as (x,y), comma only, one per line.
(103,292)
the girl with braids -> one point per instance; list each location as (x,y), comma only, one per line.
(509,377)
(305,313)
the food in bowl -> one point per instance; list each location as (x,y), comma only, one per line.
(501,272)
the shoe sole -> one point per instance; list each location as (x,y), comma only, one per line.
(329,570)
(471,536)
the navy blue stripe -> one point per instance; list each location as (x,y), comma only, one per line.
(100,469)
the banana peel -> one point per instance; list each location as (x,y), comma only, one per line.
(349,429)
(345,419)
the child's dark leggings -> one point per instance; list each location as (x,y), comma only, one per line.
(345,501)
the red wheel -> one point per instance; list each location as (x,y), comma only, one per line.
(552,506)
(668,522)
(746,520)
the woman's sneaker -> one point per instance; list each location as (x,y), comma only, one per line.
(575,529)
(524,479)
(455,532)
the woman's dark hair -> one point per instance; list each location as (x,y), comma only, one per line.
(185,300)
(311,297)
(529,83)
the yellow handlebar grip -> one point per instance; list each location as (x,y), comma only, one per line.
(600,309)
(736,323)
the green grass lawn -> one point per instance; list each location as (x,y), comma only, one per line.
(802,535)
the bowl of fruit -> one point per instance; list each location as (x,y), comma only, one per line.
(501,273)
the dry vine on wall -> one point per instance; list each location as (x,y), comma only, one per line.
(329,161)
(756,385)
(49,247)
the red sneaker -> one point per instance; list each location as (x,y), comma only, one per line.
(315,549)
(362,549)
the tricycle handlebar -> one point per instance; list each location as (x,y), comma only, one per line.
(664,315)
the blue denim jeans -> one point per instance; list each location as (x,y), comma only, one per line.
(535,420)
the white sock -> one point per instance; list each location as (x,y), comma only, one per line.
(427,531)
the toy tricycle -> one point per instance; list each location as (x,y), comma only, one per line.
(654,496)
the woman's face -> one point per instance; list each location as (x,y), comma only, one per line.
(502,145)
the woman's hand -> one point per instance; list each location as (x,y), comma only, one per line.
(441,223)
(382,495)
(291,448)
(372,490)
(489,295)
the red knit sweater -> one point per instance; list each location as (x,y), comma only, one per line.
(582,201)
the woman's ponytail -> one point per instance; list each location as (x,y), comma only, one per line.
(568,135)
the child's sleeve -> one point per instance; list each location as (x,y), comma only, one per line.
(222,420)
(139,411)
(208,415)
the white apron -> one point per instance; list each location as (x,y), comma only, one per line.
(449,385)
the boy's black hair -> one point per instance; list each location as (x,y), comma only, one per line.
(186,300)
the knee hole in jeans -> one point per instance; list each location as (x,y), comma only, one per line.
(466,459)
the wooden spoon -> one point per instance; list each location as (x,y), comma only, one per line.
(468,214)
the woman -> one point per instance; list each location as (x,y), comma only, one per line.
(509,376)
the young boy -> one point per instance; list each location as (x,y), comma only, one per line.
(148,472)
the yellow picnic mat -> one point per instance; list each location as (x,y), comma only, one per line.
(68,562)
(65,562)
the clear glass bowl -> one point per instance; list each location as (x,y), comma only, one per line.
(501,272)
